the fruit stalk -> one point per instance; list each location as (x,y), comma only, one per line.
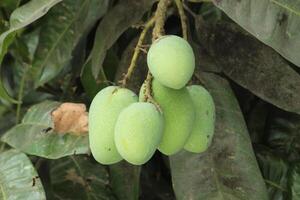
(160,18)
(183,18)
(137,51)
(158,30)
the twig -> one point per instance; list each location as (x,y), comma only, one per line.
(136,53)
(158,31)
(160,18)
(183,19)
(189,11)
(148,92)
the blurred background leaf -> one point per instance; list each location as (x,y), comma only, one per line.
(20,18)
(275,171)
(125,180)
(79,177)
(62,28)
(115,22)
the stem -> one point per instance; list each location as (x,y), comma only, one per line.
(20,96)
(189,11)
(148,92)
(275,185)
(158,31)
(183,18)
(137,51)
(160,18)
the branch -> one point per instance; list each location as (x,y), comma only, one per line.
(160,18)
(137,51)
(183,18)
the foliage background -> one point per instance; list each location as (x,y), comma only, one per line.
(247,53)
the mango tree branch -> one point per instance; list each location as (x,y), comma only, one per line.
(158,31)
(183,18)
(160,18)
(137,51)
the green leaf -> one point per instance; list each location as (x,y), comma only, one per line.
(92,86)
(18,178)
(63,27)
(9,5)
(228,169)
(274,22)
(79,177)
(20,18)
(125,180)
(283,134)
(274,170)
(294,181)
(253,65)
(34,135)
(114,23)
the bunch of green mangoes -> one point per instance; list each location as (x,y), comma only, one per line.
(123,126)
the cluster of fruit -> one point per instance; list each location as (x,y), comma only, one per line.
(121,126)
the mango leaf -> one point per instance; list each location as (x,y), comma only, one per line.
(283,134)
(114,23)
(253,65)
(63,27)
(9,5)
(34,135)
(18,178)
(274,22)
(79,177)
(294,181)
(125,180)
(274,170)
(228,169)
(20,18)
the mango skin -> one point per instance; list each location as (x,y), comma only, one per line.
(138,132)
(203,130)
(171,61)
(103,114)
(179,115)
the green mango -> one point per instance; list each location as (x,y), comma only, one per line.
(203,129)
(178,111)
(103,114)
(171,61)
(138,132)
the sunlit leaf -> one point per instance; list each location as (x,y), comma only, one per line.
(274,22)
(35,135)
(18,178)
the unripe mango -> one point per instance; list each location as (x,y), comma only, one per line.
(171,61)
(179,115)
(103,114)
(138,132)
(203,129)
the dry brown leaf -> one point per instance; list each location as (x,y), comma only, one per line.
(70,118)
